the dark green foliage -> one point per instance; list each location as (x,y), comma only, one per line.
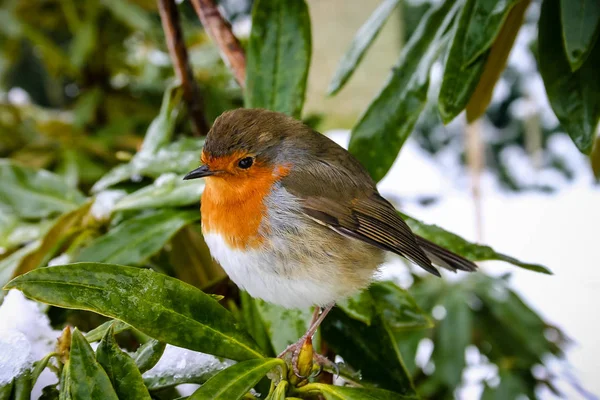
(105,116)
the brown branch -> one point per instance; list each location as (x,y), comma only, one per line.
(170,22)
(220,32)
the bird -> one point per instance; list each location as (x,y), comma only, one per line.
(295,219)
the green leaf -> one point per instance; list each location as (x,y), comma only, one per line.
(136,239)
(574,96)
(452,336)
(382,130)
(398,308)
(510,387)
(148,354)
(254,323)
(23,385)
(460,246)
(161,129)
(580,29)
(237,380)
(63,230)
(168,190)
(368,349)
(88,380)
(130,14)
(360,306)
(484,26)
(35,194)
(331,392)
(284,326)
(65,382)
(362,41)
(519,322)
(121,369)
(6,390)
(85,39)
(179,158)
(278,56)
(8,265)
(98,332)
(40,366)
(496,60)
(158,305)
(460,78)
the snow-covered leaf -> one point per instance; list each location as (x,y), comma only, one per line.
(35,194)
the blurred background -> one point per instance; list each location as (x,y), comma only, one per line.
(79,86)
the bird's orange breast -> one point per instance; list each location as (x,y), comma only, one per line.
(234,207)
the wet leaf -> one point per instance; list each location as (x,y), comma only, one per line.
(483,28)
(159,306)
(367,348)
(22,386)
(135,240)
(460,246)
(278,56)
(88,380)
(121,369)
(167,191)
(452,336)
(35,194)
(574,96)
(179,157)
(459,80)
(97,333)
(237,380)
(360,306)
(161,129)
(388,121)
(284,326)
(148,354)
(331,392)
(580,20)
(496,61)
(9,264)
(360,44)
(398,308)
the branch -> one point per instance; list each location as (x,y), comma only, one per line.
(169,17)
(220,32)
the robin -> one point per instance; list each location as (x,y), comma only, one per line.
(296,220)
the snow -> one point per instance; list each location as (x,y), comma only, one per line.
(105,202)
(25,337)
(60,260)
(15,355)
(180,363)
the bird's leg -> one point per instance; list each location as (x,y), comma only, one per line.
(296,347)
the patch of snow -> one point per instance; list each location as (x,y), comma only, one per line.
(63,259)
(104,203)
(180,363)
(23,323)
(15,355)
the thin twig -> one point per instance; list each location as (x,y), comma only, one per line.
(476,162)
(170,22)
(220,31)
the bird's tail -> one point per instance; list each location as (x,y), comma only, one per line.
(441,257)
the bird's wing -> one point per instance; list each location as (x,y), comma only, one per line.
(339,194)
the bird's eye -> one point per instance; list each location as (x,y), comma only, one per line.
(246,162)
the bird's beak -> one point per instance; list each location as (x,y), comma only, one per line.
(199,172)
